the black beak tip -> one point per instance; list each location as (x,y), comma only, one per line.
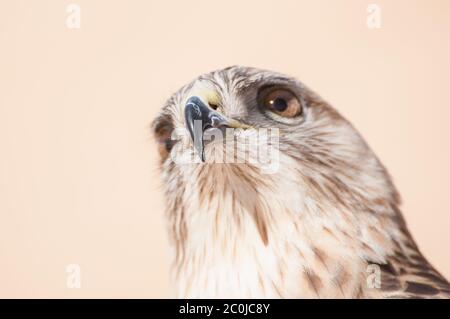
(199,118)
(196,117)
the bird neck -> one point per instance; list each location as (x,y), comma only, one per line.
(231,219)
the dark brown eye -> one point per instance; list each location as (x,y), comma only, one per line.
(162,130)
(282,102)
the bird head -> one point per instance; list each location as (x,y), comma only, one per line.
(319,163)
(264,180)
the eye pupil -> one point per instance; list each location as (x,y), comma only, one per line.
(279,104)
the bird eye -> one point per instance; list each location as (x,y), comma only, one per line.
(162,130)
(281,101)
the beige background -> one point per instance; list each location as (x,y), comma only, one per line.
(78,176)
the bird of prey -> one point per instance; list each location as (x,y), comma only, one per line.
(325,223)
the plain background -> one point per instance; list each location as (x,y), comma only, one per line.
(78,175)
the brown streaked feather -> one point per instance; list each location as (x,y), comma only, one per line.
(407,274)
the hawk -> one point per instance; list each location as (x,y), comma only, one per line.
(325,223)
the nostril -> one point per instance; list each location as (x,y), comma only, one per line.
(207,126)
(216,121)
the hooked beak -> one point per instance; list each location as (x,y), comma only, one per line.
(199,118)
